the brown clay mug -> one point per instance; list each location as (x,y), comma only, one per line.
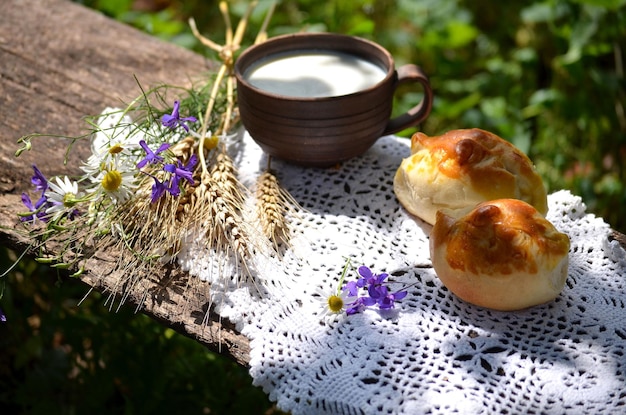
(317,99)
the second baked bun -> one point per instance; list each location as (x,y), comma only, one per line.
(502,255)
(462,168)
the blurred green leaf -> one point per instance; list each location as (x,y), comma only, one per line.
(114,8)
(609,184)
(494,107)
(543,11)
(582,32)
(540,101)
(453,109)
(460,34)
(362,27)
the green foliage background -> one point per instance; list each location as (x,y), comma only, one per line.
(547,75)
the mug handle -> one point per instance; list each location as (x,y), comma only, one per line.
(410,73)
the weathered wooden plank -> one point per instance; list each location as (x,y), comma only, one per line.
(58,63)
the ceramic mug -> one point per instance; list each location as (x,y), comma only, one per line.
(318,99)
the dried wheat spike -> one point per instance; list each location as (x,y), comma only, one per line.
(216,207)
(273,203)
(184,148)
(223,175)
(228,224)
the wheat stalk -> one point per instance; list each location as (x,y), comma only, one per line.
(224,176)
(273,204)
(217,209)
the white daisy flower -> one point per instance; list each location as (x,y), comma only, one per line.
(118,184)
(114,128)
(333,302)
(63,195)
(94,165)
(116,138)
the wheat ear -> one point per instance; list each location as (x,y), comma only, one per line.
(273,204)
(217,206)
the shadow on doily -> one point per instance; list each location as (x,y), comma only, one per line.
(559,339)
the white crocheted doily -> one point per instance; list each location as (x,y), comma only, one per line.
(434,353)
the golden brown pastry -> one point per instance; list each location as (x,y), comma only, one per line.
(502,254)
(462,168)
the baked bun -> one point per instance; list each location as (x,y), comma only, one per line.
(462,168)
(502,254)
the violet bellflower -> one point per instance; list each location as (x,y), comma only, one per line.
(358,305)
(174,120)
(382,296)
(152,157)
(352,287)
(177,172)
(369,278)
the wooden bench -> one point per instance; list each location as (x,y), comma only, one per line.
(60,62)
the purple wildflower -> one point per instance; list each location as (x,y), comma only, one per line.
(173,120)
(158,189)
(152,157)
(3,318)
(39,180)
(177,172)
(352,287)
(180,171)
(377,292)
(385,300)
(73,214)
(370,278)
(358,305)
(36,211)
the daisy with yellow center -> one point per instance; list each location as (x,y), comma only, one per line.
(112,180)
(63,196)
(333,302)
(115,139)
(116,182)
(115,127)
(116,149)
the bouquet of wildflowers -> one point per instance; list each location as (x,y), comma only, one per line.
(160,175)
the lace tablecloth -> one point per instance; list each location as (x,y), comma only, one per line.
(434,353)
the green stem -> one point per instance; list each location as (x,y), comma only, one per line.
(343,275)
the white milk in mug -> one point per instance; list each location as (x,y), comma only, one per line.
(314,74)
